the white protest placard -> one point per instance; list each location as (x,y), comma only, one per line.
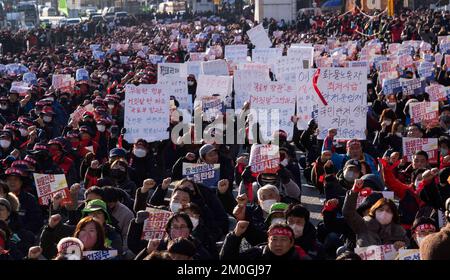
(287,64)
(412,86)
(191,68)
(146,113)
(62,81)
(274,103)
(124,59)
(405,61)
(436,92)
(236,53)
(259,37)
(99,255)
(206,174)
(243,82)
(307,100)
(264,158)
(155,59)
(81,75)
(30,78)
(198,56)
(408,255)
(345,91)
(178,88)
(211,106)
(169,69)
(50,185)
(425,113)
(217,67)
(215,50)
(305,53)
(323,61)
(259,67)
(20,87)
(209,85)
(375,252)
(429,145)
(266,55)
(155,224)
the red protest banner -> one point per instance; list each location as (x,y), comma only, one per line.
(425,113)
(264,158)
(429,145)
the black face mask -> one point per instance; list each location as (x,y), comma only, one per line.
(118,174)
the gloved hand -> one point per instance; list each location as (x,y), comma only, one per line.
(141,216)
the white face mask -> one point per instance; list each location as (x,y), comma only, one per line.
(101,128)
(175,206)
(419,240)
(284,162)
(383,217)
(140,153)
(47,119)
(51,99)
(111,106)
(399,134)
(194,221)
(349,176)
(298,230)
(392,105)
(190,83)
(266,204)
(277,221)
(5,144)
(4,107)
(23,132)
(388,122)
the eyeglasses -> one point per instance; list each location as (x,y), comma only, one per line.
(179,228)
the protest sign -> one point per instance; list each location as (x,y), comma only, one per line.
(391,86)
(345,91)
(264,158)
(243,82)
(394,47)
(178,88)
(29,78)
(155,59)
(209,85)
(99,255)
(408,255)
(444,47)
(197,56)
(16,68)
(362,197)
(286,64)
(50,185)
(146,113)
(191,68)
(211,107)
(375,252)
(155,224)
(351,64)
(63,82)
(124,59)
(98,55)
(426,70)
(438,59)
(387,66)
(95,47)
(307,99)
(412,86)
(425,113)
(119,47)
(322,62)
(266,55)
(137,46)
(405,61)
(184,42)
(81,75)
(236,53)
(259,37)
(215,50)
(21,88)
(215,67)
(168,69)
(429,145)
(259,67)
(206,174)
(436,92)
(305,53)
(274,103)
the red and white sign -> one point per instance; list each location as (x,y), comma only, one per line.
(425,113)
(154,226)
(50,185)
(383,252)
(429,145)
(264,158)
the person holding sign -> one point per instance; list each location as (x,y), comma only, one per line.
(380,227)
(178,226)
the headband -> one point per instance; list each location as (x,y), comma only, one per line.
(281,231)
(425,227)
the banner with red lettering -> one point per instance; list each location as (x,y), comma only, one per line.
(50,185)
(154,226)
(264,158)
(425,113)
(429,145)
(374,252)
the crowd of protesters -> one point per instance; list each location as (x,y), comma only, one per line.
(246,216)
